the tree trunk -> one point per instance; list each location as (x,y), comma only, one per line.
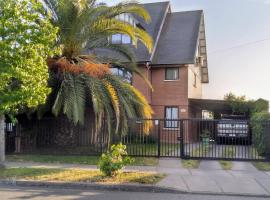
(2,140)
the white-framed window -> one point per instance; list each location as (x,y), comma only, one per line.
(172,73)
(117,38)
(171,113)
(123,73)
(123,38)
(126,39)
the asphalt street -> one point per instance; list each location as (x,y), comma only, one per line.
(38,193)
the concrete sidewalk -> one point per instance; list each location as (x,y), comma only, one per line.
(209,178)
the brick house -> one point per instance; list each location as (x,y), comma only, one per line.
(177,67)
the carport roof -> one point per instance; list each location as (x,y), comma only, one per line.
(214,105)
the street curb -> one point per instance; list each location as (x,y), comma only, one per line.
(94,186)
(118,187)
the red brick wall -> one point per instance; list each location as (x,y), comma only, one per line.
(169,93)
(139,83)
(166,93)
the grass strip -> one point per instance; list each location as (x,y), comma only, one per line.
(86,160)
(226,165)
(74,175)
(190,164)
(263,166)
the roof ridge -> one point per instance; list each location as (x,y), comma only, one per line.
(160,30)
(186,11)
(159,2)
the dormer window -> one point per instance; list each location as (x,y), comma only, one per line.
(117,38)
(123,38)
(123,73)
(120,39)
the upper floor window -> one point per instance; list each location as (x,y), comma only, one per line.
(117,38)
(123,73)
(123,38)
(172,73)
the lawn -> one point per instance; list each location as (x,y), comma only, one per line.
(152,149)
(190,164)
(229,152)
(201,150)
(142,149)
(88,160)
(72,175)
(263,166)
(226,165)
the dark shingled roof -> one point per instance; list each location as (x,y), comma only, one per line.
(179,37)
(157,12)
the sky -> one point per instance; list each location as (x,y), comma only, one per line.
(238,45)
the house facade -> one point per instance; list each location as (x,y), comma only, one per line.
(177,68)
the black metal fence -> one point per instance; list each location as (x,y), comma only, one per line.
(158,142)
(186,138)
(225,139)
(10,130)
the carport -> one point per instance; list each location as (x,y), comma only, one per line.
(218,107)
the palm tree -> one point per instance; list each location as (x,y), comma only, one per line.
(78,80)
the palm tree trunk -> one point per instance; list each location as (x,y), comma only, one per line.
(2,140)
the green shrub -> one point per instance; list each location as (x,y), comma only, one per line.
(260,132)
(114,160)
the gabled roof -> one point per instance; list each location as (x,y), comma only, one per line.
(158,13)
(179,37)
(175,36)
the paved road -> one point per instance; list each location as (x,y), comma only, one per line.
(12,192)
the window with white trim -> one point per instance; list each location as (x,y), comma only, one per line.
(172,73)
(123,73)
(123,38)
(171,113)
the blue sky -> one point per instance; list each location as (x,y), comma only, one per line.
(239,61)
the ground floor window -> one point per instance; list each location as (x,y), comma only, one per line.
(171,113)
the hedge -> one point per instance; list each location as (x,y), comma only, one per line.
(260,123)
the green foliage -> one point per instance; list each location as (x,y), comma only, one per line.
(260,123)
(108,96)
(240,104)
(113,161)
(205,133)
(26,40)
(260,105)
(85,26)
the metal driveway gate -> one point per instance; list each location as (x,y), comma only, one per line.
(162,140)
(222,139)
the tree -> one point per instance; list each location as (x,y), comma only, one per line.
(78,80)
(260,105)
(27,38)
(239,104)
